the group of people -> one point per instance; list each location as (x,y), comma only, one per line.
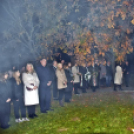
(30,86)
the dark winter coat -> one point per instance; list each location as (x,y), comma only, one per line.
(5,94)
(17,90)
(44,75)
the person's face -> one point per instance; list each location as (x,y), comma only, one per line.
(76,64)
(62,61)
(5,76)
(60,66)
(69,65)
(126,63)
(29,68)
(43,62)
(55,63)
(18,74)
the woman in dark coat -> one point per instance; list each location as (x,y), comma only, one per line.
(5,99)
(69,89)
(18,98)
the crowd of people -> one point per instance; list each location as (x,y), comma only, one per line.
(29,86)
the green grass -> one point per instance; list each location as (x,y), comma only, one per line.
(92,113)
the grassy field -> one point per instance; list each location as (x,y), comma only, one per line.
(102,112)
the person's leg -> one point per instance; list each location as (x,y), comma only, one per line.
(48,99)
(67,96)
(75,88)
(16,109)
(127,80)
(115,86)
(5,116)
(22,108)
(30,112)
(120,87)
(55,90)
(107,81)
(61,94)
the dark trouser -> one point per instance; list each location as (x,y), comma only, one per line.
(55,90)
(5,114)
(61,93)
(45,99)
(102,81)
(76,86)
(108,80)
(68,91)
(93,88)
(115,87)
(31,110)
(98,79)
(84,87)
(19,106)
(127,79)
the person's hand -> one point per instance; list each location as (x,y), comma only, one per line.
(127,72)
(35,87)
(17,100)
(71,81)
(8,100)
(49,83)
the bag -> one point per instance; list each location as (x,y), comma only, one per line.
(87,76)
(30,89)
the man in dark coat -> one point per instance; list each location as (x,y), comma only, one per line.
(69,89)
(126,73)
(5,99)
(45,78)
(109,74)
(54,80)
(94,76)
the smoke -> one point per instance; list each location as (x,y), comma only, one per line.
(30,28)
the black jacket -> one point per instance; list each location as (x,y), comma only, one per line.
(5,92)
(68,75)
(53,73)
(126,69)
(44,75)
(17,90)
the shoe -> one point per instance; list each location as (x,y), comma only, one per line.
(5,127)
(18,120)
(25,119)
(31,116)
(35,115)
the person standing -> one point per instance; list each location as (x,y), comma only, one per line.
(18,97)
(109,74)
(69,89)
(76,73)
(61,82)
(54,81)
(94,76)
(118,78)
(45,78)
(31,84)
(5,100)
(126,73)
(83,71)
(103,73)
